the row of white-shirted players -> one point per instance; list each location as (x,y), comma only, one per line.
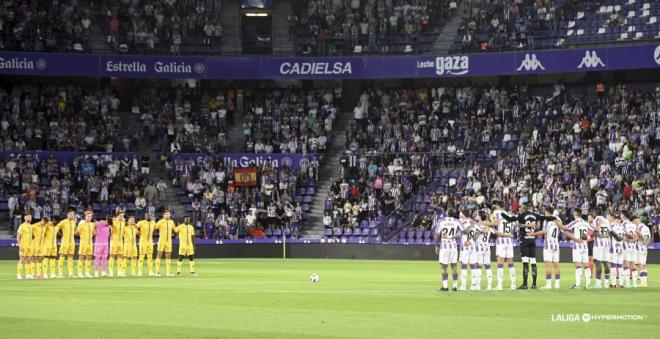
(620,247)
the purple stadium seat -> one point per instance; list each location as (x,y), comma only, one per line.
(410,235)
(427,235)
(364,224)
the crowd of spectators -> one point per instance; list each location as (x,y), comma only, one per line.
(505,25)
(374,26)
(162,26)
(47,186)
(398,138)
(453,120)
(185,119)
(221,209)
(61,118)
(290,120)
(53,26)
(575,151)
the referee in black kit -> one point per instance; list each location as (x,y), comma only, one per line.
(529,223)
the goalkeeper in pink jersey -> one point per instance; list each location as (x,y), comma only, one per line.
(101,246)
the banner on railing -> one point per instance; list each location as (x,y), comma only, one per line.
(350,67)
(241,160)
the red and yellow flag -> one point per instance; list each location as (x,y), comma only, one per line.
(245,177)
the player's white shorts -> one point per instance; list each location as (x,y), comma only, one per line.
(602,253)
(641,257)
(465,256)
(482,257)
(581,256)
(616,258)
(504,250)
(550,255)
(630,255)
(448,256)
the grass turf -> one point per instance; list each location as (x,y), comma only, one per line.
(273,298)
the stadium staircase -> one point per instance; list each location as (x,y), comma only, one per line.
(327,171)
(445,39)
(283,41)
(235,133)
(98,39)
(231,27)
(329,165)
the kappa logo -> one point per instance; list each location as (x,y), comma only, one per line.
(591,60)
(530,63)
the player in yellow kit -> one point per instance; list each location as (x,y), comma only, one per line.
(116,242)
(68,244)
(130,247)
(49,246)
(37,247)
(186,233)
(165,227)
(85,231)
(147,228)
(24,239)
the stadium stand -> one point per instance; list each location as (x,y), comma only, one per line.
(61,118)
(523,25)
(289,120)
(576,152)
(370,26)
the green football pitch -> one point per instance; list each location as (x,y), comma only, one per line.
(354,298)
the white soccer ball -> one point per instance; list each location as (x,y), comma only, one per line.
(314,278)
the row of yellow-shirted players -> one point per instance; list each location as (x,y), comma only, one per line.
(38,249)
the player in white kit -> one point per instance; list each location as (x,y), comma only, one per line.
(482,251)
(446,232)
(550,233)
(580,230)
(602,247)
(642,250)
(503,244)
(616,249)
(467,255)
(629,250)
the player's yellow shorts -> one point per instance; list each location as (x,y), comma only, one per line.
(185,251)
(165,247)
(67,249)
(86,249)
(130,251)
(116,249)
(147,249)
(49,251)
(25,251)
(38,251)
